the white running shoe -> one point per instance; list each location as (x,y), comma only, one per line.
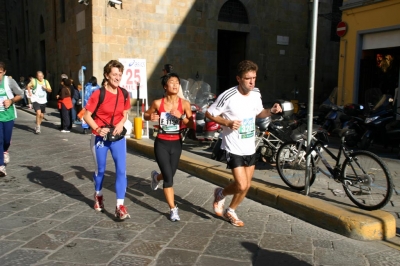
(6,158)
(154,181)
(37,130)
(174,216)
(3,171)
(65,131)
(218,203)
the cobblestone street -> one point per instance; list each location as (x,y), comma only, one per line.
(46,216)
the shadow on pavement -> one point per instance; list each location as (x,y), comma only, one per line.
(137,191)
(263,257)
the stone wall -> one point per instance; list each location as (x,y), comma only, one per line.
(185,34)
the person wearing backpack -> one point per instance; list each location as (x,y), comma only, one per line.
(76,96)
(106,113)
(37,90)
(10,93)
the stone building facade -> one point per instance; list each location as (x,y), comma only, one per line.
(202,39)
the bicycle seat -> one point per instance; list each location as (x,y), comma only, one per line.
(344,132)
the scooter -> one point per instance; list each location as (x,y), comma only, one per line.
(200,96)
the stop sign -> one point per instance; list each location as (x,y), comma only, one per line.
(341,28)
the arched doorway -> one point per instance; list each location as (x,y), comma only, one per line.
(231,44)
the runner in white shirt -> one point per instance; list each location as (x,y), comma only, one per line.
(236,110)
(37,91)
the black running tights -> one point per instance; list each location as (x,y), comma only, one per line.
(168,153)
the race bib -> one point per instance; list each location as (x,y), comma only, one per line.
(247,128)
(41,93)
(169,123)
(2,99)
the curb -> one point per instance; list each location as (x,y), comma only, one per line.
(351,222)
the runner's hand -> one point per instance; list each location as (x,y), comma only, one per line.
(235,124)
(7,103)
(276,108)
(154,117)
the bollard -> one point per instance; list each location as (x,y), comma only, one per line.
(138,127)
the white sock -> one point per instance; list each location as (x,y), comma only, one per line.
(99,193)
(120,202)
(230,210)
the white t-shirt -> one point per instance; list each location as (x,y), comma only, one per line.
(232,105)
(39,95)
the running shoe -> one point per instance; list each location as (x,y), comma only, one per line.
(6,158)
(37,130)
(219,202)
(173,215)
(2,171)
(154,181)
(231,216)
(65,131)
(98,203)
(121,212)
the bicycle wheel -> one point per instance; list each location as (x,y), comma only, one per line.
(291,165)
(366,180)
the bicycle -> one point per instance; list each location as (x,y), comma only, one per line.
(364,176)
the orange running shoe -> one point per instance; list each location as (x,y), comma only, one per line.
(231,216)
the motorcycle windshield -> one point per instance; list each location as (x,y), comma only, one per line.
(382,103)
(331,100)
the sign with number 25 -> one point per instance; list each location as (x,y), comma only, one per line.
(134,75)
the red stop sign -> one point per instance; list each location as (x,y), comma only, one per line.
(341,28)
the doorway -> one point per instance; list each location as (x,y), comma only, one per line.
(379,73)
(231,50)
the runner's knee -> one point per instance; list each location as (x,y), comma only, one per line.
(167,184)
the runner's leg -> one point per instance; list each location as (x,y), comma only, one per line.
(99,151)
(118,152)
(246,174)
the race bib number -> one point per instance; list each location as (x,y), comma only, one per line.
(169,123)
(247,128)
(41,93)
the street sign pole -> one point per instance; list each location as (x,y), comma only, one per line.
(311,93)
(81,76)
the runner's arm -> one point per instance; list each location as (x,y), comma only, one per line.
(268,112)
(16,91)
(232,124)
(151,113)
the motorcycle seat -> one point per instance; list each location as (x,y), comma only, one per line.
(344,132)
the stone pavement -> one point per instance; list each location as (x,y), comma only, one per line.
(46,216)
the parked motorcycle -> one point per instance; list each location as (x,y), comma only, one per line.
(323,109)
(376,120)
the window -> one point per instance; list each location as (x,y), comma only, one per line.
(62,11)
(41,29)
(233,11)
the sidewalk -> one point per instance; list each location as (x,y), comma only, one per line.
(47,216)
